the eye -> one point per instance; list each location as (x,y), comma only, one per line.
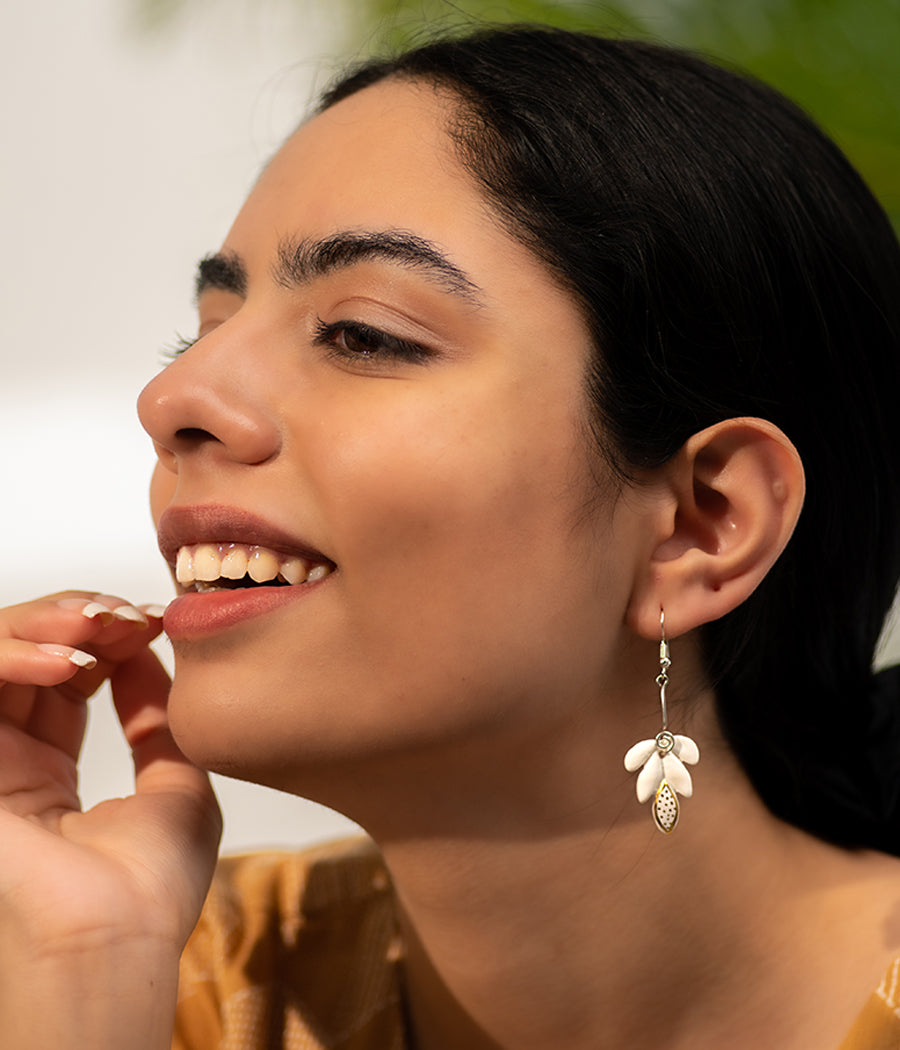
(176,348)
(355,341)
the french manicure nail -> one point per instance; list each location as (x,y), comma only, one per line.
(129,613)
(88,609)
(74,656)
(121,610)
(155,612)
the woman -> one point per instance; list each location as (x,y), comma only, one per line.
(486,470)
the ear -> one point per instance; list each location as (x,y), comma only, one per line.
(730,500)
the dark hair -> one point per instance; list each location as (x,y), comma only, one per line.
(729,261)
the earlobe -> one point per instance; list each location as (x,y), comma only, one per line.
(733,496)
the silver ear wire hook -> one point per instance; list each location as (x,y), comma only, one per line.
(662,679)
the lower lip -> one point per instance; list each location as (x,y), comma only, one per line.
(195,615)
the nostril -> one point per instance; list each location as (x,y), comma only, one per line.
(193,434)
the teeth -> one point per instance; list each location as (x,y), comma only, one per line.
(234,562)
(294,570)
(263,565)
(202,564)
(207,562)
(184,567)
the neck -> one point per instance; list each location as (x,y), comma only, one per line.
(539,914)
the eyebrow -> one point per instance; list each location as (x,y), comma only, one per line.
(223,270)
(299,261)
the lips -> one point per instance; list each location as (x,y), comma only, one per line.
(188,526)
(232,566)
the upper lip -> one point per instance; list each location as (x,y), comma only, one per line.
(214,523)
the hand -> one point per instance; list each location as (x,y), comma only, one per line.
(124,880)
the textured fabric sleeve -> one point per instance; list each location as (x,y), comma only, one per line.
(878,1026)
(294,952)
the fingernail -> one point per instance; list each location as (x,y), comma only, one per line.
(121,610)
(130,613)
(88,609)
(155,612)
(74,656)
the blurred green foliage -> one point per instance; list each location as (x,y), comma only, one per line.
(839,59)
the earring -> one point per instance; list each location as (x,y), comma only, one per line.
(664,774)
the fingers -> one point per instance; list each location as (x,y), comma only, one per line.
(74,617)
(31,663)
(140,691)
(49,641)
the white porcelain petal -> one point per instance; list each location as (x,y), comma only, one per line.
(650,778)
(687,750)
(636,756)
(677,776)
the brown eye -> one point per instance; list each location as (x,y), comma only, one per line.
(353,340)
(364,341)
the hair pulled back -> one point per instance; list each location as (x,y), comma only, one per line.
(729,262)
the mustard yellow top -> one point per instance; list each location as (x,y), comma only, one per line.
(294,951)
(300,951)
(878,1026)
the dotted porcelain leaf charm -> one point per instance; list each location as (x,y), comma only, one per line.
(665,808)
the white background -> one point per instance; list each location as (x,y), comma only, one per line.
(123,159)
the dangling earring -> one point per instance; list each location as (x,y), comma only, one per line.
(664,774)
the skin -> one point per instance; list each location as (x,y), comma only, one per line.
(467,680)
(466,519)
(128,877)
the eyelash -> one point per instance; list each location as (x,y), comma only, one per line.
(376,345)
(176,348)
(371,343)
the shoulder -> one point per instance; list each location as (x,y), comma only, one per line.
(301,945)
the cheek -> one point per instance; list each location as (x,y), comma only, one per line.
(499,477)
(466,533)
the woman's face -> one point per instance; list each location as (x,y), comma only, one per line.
(387,390)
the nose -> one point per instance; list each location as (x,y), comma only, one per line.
(199,403)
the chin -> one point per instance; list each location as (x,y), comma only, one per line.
(292,736)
